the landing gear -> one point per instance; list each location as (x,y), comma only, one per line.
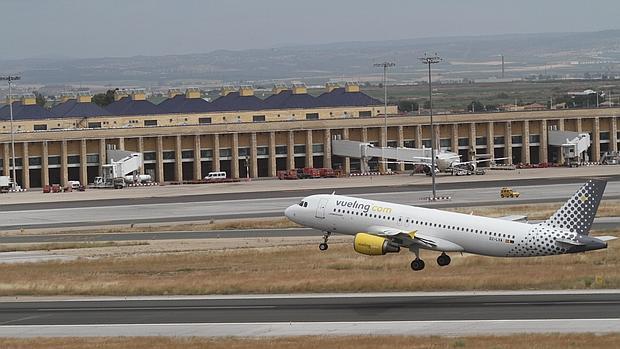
(323,245)
(443,260)
(417,264)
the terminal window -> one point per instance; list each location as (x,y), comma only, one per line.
(53,160)
(150,122)
(41,127)
(258,118)
(34,161)
(93,125)
(365,114)
(206,153)
(312,116)
(204,120)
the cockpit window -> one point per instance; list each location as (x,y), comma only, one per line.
(303,204)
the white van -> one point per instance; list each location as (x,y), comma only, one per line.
(215,176)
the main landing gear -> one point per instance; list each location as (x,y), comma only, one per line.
(417,264)
(443,259)
(323,245)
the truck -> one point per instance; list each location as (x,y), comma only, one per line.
(290,174)
(308,172)
(122,169)
(5,184)
(327,172)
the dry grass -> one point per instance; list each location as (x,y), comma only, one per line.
(277,270)
(262,223)
(66,246)
(607,208)
(530,341)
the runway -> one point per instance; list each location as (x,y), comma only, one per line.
(142,315)
(244,206)
(605,223)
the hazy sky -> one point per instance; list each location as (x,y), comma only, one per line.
(105,28)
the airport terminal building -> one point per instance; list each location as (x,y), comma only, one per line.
(185,137)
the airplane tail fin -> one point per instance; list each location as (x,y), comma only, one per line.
(577,214)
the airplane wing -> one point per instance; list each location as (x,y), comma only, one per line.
(514,218)
(410,238)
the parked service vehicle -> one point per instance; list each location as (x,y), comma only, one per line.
(290,174)
(327,172)
(506,192)
(5,184)
(215,176)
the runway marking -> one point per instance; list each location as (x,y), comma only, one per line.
(155,308)
(21,319)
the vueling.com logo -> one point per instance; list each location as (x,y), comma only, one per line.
(364,207)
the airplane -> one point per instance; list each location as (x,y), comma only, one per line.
(447,162)
(383,227)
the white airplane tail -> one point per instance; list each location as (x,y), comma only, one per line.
(577,214)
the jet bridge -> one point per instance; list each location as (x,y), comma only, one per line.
(366,151)
(573,145)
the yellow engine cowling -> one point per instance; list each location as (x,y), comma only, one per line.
(373,245)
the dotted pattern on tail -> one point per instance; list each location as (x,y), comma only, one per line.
(578,212)
(540,241)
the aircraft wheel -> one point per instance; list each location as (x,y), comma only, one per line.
(417,264)
(443,260)
(323,246)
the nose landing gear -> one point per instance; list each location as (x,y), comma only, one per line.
(443,259)
(323,245)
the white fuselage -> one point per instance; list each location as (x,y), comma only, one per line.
(475,234)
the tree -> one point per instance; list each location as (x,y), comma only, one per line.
(41,100)
(475,106)
(407,106)
(103,99)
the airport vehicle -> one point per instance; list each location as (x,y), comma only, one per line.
(215,176)
(308,172)
(5,184)
(75,185)
(290,174)
(384,227)
(506,192)
(326,172)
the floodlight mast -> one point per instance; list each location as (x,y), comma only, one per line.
(429,60)
(10,79)
(385,66)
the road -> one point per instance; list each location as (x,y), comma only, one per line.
(605,223)
(252,205)
(422,308)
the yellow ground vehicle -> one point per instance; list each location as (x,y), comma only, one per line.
(506,192)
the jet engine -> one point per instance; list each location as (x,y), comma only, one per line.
(373,245)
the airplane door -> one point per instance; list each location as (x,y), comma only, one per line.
(320,209)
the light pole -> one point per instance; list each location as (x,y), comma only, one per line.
(431,60)
(10,79)
(385,66)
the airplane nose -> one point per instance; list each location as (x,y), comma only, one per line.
(290,212)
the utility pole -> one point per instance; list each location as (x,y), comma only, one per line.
(429,60)
(385,66)
(10,79)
